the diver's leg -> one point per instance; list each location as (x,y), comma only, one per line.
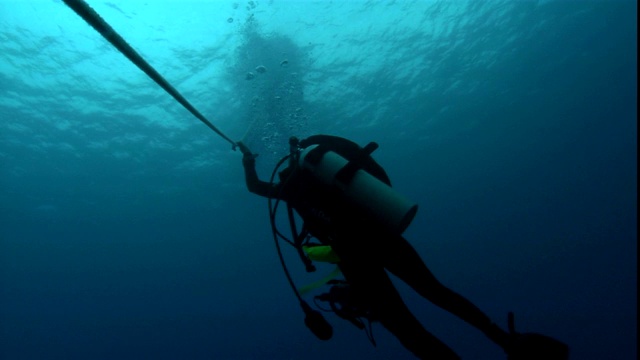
(373,288)
(401,259)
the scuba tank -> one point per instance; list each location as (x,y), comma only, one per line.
(370,193)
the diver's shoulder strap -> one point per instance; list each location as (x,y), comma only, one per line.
(298,239)
(345,174)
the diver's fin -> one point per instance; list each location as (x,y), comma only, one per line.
(532,346)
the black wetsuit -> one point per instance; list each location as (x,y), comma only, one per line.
(366,250)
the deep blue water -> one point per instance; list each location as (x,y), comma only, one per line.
(126,231)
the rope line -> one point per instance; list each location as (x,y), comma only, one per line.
(93,18)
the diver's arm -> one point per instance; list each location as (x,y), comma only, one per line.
(254,184)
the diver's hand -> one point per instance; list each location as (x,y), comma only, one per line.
(246,152)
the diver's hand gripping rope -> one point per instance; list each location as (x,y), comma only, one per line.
(93,18)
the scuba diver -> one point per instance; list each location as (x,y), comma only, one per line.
(346,202)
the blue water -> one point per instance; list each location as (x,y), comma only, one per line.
(126,231)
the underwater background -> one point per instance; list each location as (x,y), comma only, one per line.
(126,230)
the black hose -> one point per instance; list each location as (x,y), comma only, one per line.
(313,319)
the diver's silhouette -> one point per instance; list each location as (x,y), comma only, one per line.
(367,245)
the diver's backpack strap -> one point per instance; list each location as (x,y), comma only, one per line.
(315,155)
(347,173)
(298,239)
